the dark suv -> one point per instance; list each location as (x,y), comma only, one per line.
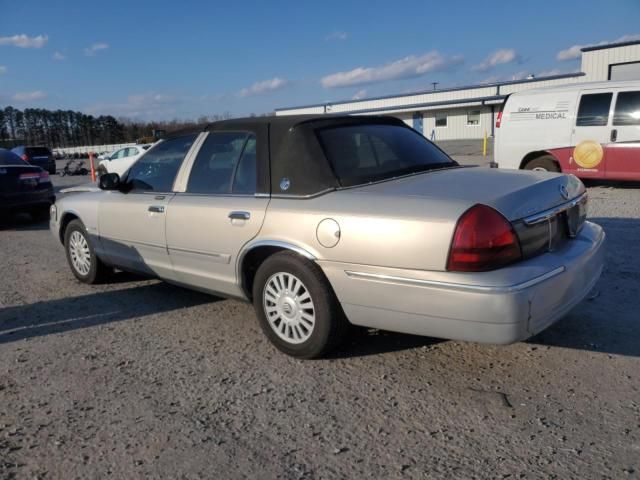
(40,156)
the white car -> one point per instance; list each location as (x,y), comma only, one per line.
(120,160)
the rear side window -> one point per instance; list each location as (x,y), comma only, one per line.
(627,110)
(157,169)
(38,151)
(594,110)
(363,153)
(225,164)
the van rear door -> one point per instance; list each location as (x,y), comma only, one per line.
(590,134)
(623,153)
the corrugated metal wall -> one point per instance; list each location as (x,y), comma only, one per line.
(595,63)
(457,126)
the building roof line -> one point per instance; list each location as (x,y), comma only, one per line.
(444,90)
(482,100)
(609,45)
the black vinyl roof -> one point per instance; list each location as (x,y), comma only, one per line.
(290,159)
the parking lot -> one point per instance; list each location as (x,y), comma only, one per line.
(138,378)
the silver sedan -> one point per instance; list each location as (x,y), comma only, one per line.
(324,222)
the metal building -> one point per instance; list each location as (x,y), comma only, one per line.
(469,112)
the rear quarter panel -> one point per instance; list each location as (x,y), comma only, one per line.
(405,232)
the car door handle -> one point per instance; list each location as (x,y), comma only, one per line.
(614,135)
(239,215)
(156,208)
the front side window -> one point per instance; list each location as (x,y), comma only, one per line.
(594,110)
(473,117)
(441,119)
(225,164)
(366,153)
(627,110)
(157,169)
(119,154)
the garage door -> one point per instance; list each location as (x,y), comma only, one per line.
(625,71)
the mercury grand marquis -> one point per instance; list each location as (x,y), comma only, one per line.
(323,222)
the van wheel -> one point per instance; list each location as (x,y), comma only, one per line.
(296,306)
(546,163)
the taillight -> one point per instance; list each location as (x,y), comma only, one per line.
(44,177)
(25,157)
(499,119)
(483,240)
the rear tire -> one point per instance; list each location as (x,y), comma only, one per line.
(296,307)
(84,262)
(545,163)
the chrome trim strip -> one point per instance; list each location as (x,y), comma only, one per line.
(552,212)
(133,242)
(416,282)
(224,257)
(265,243)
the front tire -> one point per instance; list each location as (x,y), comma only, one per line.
(84,263)
(545,163)
(296,307)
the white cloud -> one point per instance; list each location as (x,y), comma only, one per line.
(3,69)
(499,57)
(59,56)
(574,52)
(359,95)
(95,48)
(148,105)
(333,36)
(28,96)
(265,86)
(491,79)
(407,67)
(24,41)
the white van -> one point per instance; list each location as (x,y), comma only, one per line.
(591,130)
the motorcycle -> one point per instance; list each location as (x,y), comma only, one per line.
(74,167)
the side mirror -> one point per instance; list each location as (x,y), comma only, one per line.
(109,181)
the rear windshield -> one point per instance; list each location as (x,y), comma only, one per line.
(38,151)
(367,153)
(10,158)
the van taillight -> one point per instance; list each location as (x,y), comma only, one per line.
(25,157)
(483,240)
(499,119)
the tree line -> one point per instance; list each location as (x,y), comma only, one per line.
(67,128)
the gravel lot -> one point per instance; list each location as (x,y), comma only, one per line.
(139,379)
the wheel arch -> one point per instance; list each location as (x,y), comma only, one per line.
(537,154)
(253,255)
(67,217)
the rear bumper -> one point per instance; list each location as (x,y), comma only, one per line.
(23,201)
(501,307)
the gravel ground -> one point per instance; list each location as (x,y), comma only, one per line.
(139,379)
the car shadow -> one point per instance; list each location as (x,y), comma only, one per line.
(100,308)
(608,321)
(363,342)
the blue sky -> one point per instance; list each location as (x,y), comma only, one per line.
(163,60)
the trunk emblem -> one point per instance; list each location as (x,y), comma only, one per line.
(564,192)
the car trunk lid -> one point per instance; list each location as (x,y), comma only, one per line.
(515,194)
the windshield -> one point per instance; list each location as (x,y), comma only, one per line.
(367,153)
